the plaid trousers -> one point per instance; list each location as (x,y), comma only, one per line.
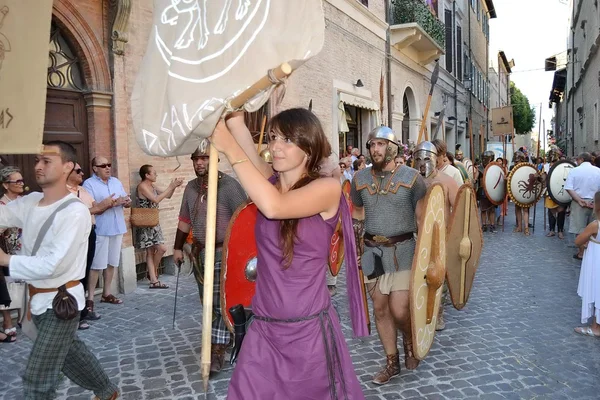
(57,348)
(219,333)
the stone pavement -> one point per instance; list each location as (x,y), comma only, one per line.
(513,340)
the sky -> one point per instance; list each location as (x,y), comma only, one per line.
(529,31)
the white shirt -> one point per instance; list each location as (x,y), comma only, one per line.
(62,254)
(584,180)
(453,173)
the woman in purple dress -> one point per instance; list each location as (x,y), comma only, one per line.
(294,349)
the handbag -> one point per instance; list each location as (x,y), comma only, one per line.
(144,217)
(27,325)
(65,305)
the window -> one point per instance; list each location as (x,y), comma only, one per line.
(473,4)
(365,3)
(448,22)
(459,65)
(478,9)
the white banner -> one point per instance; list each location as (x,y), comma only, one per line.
(24,38)
(201,54)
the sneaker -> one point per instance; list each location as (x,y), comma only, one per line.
(391,369)
(493,229)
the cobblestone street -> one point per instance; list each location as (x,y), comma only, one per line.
(514,340)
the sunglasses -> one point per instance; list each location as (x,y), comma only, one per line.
(17,182)
(103,165)
(79,171)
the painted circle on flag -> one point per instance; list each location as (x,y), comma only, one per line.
(202,43)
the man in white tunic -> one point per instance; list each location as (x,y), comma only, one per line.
(59,260)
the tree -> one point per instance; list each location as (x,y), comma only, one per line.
(523,113)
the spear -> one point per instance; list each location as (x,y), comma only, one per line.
(434,78)
(211,219)
(439,124)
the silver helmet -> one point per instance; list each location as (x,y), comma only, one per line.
(203,149)
(425,156)
(383,132)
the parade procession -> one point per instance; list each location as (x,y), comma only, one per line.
(289,200)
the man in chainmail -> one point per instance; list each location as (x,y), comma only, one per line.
(386,201)
(192,215)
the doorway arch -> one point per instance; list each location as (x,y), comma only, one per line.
(411,120)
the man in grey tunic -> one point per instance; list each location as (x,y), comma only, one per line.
(386,207)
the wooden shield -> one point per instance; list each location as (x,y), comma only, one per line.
(336,245)
(555,182)
(463,246)
(238,266)
(494,183)
(524,187)
(428,270)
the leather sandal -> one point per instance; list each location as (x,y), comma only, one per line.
(114,396)
(110,299)
(158,285)
(391,369)
(410,362)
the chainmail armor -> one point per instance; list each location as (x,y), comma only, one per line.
(389,204)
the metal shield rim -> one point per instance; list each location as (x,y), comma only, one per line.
(509,178)
(224,257)
(479,233)
(485,191)
(560,203)
(412,294)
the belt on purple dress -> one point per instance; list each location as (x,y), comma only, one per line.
(332,354)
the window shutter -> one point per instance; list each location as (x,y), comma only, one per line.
(448,21)
(459,66)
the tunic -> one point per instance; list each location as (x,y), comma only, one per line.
(297,360)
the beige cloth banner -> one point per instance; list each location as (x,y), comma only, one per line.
(502,120)
(24,37)
(201,54)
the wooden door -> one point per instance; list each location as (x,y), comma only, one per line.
(65,120)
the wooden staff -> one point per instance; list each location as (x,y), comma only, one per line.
(434,78)
(211,219)
(262,132)
(471,144)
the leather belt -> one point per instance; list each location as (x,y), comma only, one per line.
(33,290)
(378,240)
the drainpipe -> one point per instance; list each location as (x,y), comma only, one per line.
(487,81)
(573,81)
(470,120)
(457,72)
(388,62)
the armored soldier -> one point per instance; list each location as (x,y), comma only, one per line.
(192,216)
(386,201)
(488,210)
(521,213)
(425,156)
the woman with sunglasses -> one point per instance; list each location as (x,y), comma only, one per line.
(294,348)
(13,187)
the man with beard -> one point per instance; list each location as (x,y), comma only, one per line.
(192,215)
(386,202)
(425,162)
(56,226)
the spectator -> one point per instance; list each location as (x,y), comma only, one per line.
(110,227)
(358,164)
(10,242)
(443,163)
(151,239)
(582,184)
(399,160)
(74,185)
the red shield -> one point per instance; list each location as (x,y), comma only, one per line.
(239,262)
(336,245)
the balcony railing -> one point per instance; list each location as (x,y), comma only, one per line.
(407,11)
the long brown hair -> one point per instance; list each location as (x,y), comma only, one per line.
(304,129)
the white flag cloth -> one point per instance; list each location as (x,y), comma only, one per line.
(24,38)
(202,53)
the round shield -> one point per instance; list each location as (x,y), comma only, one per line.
(524,185)
(428,271)
(463,247)
(463,171)
(470,167)
(555,182)
(336,245)
(494,183)
(238,267)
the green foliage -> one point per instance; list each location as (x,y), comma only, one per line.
(407,11)
(523,113)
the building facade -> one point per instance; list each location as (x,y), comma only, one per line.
(365,75)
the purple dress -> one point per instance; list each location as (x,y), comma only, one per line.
(295,349)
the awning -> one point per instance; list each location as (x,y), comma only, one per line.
(358,102)
(342,123)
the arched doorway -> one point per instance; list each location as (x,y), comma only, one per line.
(66,117)
(406,119)
(410,120)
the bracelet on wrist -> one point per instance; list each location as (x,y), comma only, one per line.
(243,160)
